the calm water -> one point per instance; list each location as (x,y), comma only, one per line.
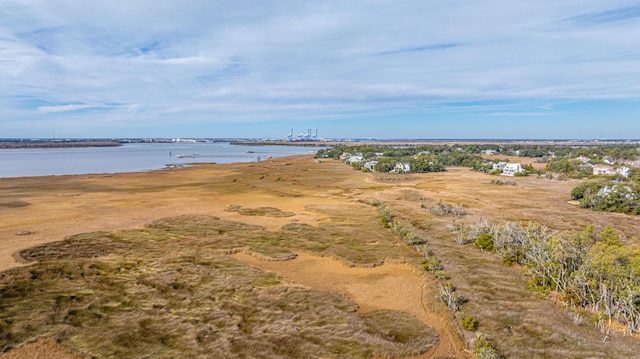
(131,157)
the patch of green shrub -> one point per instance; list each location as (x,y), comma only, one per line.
(484,348)
(432,264)
(467,322)
(485,242)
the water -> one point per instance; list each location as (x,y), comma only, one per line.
(133,157)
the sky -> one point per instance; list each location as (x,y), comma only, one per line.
(436,69)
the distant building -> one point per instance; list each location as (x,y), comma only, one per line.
(510,169)
(603,170)
(499,166)
(402,167)
(371,165)
(355,159)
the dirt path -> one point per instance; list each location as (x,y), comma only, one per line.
(391,286)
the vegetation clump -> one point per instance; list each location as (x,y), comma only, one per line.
(608,196)
(500,182)
(444,208)
(449,297)
(13,204)
(168,290)
(585,269)
(485,242)
(484,348)
(467,322)
(260,211)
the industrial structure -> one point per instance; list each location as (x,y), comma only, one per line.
(303,136)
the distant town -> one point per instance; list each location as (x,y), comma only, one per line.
(303,138)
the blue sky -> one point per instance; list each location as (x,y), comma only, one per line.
(377,68)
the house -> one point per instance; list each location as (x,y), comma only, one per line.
(603,170)
(402,167)
(489,152)
(355,159)
(510,169)
(608,160)
(499,166)
(371,165)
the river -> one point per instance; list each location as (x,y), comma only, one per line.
(133,157)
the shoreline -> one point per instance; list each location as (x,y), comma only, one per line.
(57,144)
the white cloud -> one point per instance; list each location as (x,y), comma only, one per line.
(277,59)
(63,108)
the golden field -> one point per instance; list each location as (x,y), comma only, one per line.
(280,258)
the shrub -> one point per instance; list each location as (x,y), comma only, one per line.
(432,264)
(538,284)
(510,258)
(439,274)
(485,242)
(448,296)
(413,239)
(467,322)
(484,349)
(444,208)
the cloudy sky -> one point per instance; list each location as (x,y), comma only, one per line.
(376,68)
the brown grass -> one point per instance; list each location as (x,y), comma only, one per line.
(151,280)
(167,291)
(521,323)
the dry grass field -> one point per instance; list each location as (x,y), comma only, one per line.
(281,258)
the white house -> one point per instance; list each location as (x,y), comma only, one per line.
(510,169)
(499,166)
(402,167)
(355,159)
(371,165)
(603,170)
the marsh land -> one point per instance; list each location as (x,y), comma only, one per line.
(283,258)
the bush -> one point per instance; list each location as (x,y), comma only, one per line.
(484,349)
(467,322)
(510,258)
(538,284)
(413,239)
(485,242)
(432,264)
(439,274)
